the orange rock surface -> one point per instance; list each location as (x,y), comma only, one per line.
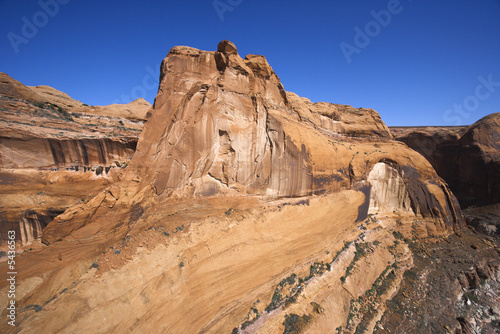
(245,208)
(55,151)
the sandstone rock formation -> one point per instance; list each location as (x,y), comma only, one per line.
(223,124)
(245,209)
(14,89)
(43,130)
(134,111)
(467,158)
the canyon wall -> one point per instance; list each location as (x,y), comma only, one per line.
(223,125)
(467,158)
(56,151)
(52,153)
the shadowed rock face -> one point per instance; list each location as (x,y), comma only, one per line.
(46,153)
(466,158)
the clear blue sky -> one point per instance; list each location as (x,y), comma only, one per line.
(432,55)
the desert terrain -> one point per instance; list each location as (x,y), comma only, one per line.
(234,206)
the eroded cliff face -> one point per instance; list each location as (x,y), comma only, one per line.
(215,128)
(45,153)
(56,151)
(223,124)
(243,206)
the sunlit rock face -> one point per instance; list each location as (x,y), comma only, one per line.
(224,124)
(218,132)
(388,190)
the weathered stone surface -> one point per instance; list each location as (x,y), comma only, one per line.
(388,190)
(44,132)
(245,131)
(52,153)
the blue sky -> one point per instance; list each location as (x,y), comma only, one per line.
(422,62)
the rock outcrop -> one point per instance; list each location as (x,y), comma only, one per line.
(53,153)
(244,208)
(225,124)
(467,158)
(44,131)
(135,111)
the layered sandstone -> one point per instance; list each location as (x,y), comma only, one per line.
(44,132)
(243,206)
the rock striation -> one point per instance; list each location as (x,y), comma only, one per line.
(71,153)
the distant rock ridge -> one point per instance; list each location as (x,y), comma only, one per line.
(9,87)
(467,158)
(135,110)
